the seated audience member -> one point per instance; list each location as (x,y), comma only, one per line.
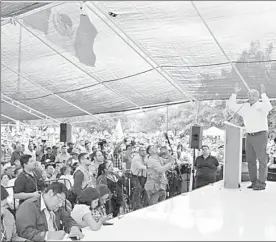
(87,212)
(48,156)
(17,171)
(29,183)
(107,177)
(8,228)
(9,170)
(104,201)
(206,168)
(5,180)
(44,218)
(50,170)
(65,172)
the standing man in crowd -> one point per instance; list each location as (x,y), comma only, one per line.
(254,114)
(206,168)
(82,175)
(16,154)
(63,157)
(127,159)
(29,183)
(139,177)
(97,159)
(156,184)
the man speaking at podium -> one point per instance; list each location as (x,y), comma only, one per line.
(254,114)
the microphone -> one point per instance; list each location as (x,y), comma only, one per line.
(237,111)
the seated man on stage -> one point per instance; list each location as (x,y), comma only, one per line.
(44,218)
(206,168)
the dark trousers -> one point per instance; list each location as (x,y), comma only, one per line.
(204,180)
(139,195)
(256,149)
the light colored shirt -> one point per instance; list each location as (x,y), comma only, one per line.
(50,216)
(255,116)
(78,213)
(138,167)
(62,158)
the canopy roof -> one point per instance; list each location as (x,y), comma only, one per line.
(141,54)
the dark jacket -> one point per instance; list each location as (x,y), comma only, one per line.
(31,222)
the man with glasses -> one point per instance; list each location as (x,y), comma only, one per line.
(139,176)
(44,218)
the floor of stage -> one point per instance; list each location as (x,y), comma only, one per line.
(208,213)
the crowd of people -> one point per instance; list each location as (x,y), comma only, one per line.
(84,184)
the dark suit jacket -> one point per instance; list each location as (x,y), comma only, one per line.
(31,222)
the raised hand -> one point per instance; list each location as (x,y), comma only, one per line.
(237,88)
(262,88)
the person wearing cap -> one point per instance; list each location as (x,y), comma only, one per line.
(44,218)
(86,212)
(74,158)
(63,156)
(8,227)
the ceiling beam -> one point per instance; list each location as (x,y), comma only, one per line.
(77,66)
(48,91)
(131,43)
(220,47)
(29,110)
(14,120)
(36,10)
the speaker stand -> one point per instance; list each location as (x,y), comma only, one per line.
(192,176)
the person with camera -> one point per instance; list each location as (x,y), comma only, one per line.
(156,184)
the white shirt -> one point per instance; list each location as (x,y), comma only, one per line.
(255,116)
(49,218)
(138,167)
(78,213)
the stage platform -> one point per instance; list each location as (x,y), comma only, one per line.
(209,213)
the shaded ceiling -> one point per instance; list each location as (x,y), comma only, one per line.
(58,53)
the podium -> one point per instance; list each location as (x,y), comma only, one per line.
(232,169)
